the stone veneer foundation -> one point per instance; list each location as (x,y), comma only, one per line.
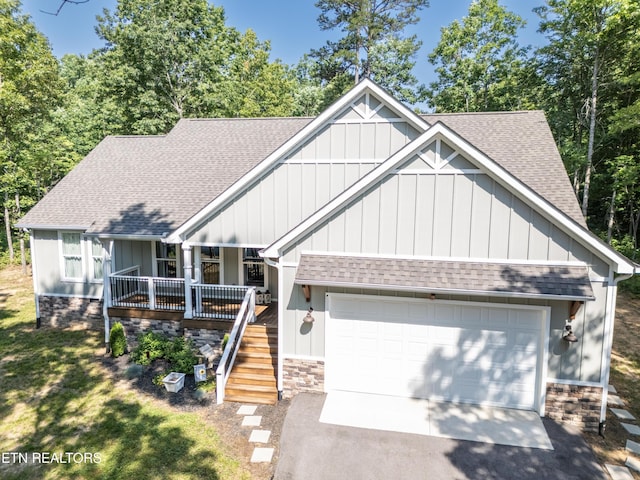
(302,376)
(574,404)
(71,312)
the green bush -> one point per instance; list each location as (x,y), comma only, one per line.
(151,346)
(225,340)
(179,352)
(180,355)
(118,340)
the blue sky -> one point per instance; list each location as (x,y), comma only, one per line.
(290,25)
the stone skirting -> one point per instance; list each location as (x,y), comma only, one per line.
(574,404)
(71,312)
(302,376)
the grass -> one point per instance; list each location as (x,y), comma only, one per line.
(56,397)
(625,377)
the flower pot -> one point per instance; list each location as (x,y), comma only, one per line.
(174,382)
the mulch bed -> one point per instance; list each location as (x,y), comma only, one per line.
(223,417)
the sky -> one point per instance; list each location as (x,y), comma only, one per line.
(290,25)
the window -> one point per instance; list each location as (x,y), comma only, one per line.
(210,265)
(166,260)
(253,268)
(96,259)
(71,246)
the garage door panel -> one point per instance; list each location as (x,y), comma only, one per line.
(447,351)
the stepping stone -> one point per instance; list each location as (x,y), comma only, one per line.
(633,463)
(251,421)
(633,447)
(260,436)
(618,412)
(247,410)
(618,472)
(632,429)
(265,455)
(615,400)
(612,389)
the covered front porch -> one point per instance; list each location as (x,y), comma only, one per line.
(197,305)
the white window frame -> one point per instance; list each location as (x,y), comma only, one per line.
(199,260)
(242,263)
(156,259)
(62,256)
(91,258)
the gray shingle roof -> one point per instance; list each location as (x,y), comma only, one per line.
(152,185)
(444,276)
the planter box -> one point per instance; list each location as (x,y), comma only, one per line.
(174,382)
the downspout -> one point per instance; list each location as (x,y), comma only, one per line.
(280,380)
(106,291)
(34,277)
(609,326)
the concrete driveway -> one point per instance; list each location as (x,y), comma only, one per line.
(312,450)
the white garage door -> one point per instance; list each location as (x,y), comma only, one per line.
(464,352)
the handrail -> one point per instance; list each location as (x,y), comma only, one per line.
(246,315)
(135,268)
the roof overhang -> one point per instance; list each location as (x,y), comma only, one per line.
(564,281)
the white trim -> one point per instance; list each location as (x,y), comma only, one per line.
(280,371)
(441,171)
(289,264)
(116,236)
(357,121)
(34,272)
(311,358)
(227,245)
(80,228)
(458,143)
(332,161)
(543,350)
(568,263)
(308,130)
(576,383)
(69,295)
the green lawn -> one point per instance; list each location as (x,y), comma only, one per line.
(56,397)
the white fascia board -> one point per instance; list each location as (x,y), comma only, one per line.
(75,228)
(118,236)
(345,101)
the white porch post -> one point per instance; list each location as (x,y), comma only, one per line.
(188,304)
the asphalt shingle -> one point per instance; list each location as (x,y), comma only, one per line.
(569,281)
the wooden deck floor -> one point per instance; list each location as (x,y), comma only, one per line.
(267,314)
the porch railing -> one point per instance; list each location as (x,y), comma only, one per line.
(246,315)
(217,301)
(131,290)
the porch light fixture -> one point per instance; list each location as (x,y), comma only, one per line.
(308,318)
(568,335)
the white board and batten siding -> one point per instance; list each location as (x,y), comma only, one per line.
(453,351)
(306,179)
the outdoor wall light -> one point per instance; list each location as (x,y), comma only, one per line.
(308,318)
(568,335)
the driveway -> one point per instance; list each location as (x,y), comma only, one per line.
(313,450)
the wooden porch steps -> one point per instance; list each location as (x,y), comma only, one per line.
(253,377)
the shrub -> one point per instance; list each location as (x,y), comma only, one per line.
(180,355)
(118,340)
(151,346)
(225,340)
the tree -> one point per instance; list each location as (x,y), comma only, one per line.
(29,88)
(575,62)
(164,58)
(480,65)
(372,45)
